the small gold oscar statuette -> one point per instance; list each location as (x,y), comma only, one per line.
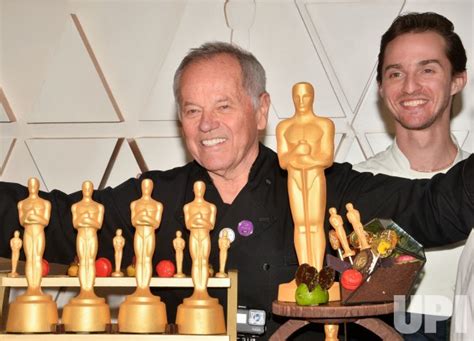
(34,311)
(179,244)
(224,245)
(15,245)
(142,312)
(305,145)
(200,313)
(86,312)
(119,243)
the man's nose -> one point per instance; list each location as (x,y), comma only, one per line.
(208,121)
(411,84)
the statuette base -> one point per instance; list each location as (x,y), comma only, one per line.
(36,313)
(200,316)
(142,314)
(86,315)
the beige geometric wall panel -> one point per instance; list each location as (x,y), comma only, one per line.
(30,32)
(6,112)
(6,147)
(75,89)
(66,163)
(280,40)
(240,17)
(20,165)
(346,45)
(132,39)
(158,152)
(355,153)
(107,96)
(199,22)
(123,167)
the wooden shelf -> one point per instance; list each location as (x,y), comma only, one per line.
(66,281)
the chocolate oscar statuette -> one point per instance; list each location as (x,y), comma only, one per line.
(86,312)
(118,243)
(200,313)
(353,216)
(305,145)
(142,312)
(336,222)
(334,241)
(34,311)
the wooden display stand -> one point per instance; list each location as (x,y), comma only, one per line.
(334,313)
(229,283)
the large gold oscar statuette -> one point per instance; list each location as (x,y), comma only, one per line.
(142,312)
(34,311)
(305,145)
(200,313)
(86,312)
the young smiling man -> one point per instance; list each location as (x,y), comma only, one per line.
(421,67)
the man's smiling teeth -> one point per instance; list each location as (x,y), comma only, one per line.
(414,103)
(212,142)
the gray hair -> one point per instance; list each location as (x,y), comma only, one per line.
(253,73)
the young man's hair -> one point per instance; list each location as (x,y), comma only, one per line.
(423,22)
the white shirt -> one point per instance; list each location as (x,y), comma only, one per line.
(462,324)
(436,287)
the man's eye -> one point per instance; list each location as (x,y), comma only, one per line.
(394,75)
(427,70)
(191,112)
(224,107)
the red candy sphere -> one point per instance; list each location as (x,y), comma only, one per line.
(103,267)
(44,267)
(351,279)
(165,268)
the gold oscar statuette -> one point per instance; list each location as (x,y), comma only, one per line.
(142,312)
(118,243)
(34,311)
(305,146)
(15,245)
(86,312)
(200,313)
(179,244)
(224,245)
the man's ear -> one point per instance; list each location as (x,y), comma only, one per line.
(380,90)
(262,111)
(458,82)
